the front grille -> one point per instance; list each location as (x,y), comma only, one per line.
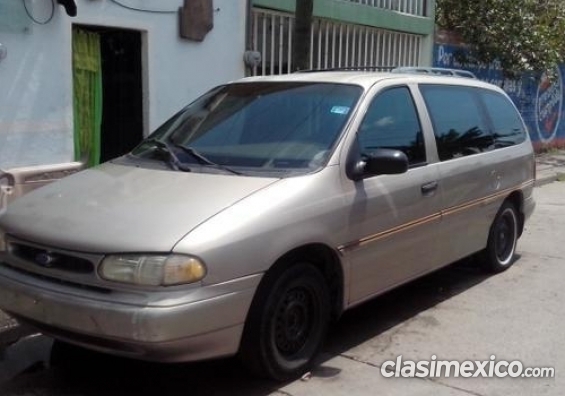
(63,282)
(48,259)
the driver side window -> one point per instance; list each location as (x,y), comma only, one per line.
(392,122)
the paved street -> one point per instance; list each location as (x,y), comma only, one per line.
(457,314)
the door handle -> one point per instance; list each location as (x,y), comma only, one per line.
(429,188)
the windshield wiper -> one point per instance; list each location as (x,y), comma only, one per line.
(203,160)
(173,160)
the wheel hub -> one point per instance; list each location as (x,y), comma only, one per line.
(293,322)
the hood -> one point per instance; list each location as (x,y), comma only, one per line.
(116,208)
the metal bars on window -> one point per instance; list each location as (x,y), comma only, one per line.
(272,37)
(411,7)
(333,44)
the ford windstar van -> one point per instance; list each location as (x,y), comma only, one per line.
(256,215)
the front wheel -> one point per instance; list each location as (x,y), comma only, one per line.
(287,323)
(501,247)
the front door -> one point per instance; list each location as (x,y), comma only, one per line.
(394,218)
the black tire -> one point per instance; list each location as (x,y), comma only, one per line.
(287,322)
(65,355)
(503,236)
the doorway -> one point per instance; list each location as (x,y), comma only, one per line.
(108,101)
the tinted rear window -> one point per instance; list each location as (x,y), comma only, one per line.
(507,126)
(459,124)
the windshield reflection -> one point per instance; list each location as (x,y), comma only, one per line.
(261,127)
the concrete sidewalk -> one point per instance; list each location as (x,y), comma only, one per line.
(550,166)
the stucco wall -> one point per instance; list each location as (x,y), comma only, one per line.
(36,120)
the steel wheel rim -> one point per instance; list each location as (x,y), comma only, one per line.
(505,237)
(294,321)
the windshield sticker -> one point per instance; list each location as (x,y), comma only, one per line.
(343,110)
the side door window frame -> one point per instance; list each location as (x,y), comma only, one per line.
(483,114)
(481,93)
(354,150)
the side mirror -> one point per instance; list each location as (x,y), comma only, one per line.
(381,162)
(386,162)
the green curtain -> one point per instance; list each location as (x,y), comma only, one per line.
(87,96)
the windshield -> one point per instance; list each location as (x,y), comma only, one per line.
(258,127)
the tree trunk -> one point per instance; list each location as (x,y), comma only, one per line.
(302,34)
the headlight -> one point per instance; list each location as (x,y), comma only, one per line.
(152,270)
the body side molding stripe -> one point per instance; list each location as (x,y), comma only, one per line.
(436,216)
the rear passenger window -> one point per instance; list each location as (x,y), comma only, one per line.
(459,126)
(507,125)
(392,122)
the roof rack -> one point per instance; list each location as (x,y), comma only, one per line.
(435,70)
(350,68)
(402,69)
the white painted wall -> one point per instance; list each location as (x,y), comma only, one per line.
(36,118)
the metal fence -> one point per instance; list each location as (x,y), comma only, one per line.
(412,7)
(333,44)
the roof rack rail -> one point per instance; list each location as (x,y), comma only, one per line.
(350,68)
(435,70)
(402,69)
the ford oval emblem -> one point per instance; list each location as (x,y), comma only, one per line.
(44,259)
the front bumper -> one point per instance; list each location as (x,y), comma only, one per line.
(204,323)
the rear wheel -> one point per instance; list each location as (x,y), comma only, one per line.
(501,247)
(287,322)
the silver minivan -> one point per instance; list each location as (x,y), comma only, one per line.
(255,216)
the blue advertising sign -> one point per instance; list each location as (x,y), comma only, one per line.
(539,97)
